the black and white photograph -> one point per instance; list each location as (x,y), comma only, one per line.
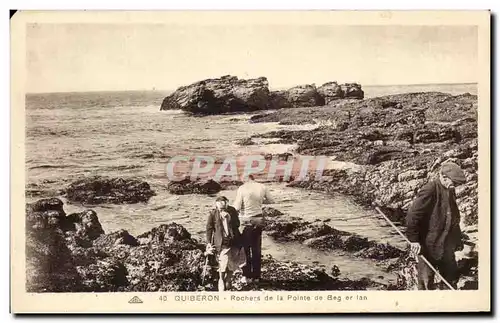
(221,159)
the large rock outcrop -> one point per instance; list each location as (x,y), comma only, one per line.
(220,95)
(304,96)
(71,253)
(331,91)
(229,94)
(279,100)
(50,266)
(309,95)
(352,90)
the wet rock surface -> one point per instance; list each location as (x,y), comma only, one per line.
(291,276)
(49,263)
(229,184)
(408,108)
(48,204)
(168,266)
(50,266)
(321,236)
(107,242)
(165,258)
(405,267)
(83,258)
(197,186)
(98,190)
(397,143)
(269,212)
(245,142)
(86,224)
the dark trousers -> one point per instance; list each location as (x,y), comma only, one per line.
(252,243)
(446,266)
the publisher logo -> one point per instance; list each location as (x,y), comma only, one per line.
(135,300)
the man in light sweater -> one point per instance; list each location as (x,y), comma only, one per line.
(249,199)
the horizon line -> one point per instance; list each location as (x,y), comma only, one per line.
(272,89)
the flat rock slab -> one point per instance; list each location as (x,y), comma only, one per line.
(99,190)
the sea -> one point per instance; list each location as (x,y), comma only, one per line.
(124,134)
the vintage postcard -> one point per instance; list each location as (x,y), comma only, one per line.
(250,162)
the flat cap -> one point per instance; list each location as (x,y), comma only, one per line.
(453,172)
(221,198)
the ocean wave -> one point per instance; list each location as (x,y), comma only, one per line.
(177,111)
(52,166)
(122,167)
(157,208)
(148,154)
(45,131)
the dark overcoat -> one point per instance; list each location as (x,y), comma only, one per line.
(433,220)
(215,228)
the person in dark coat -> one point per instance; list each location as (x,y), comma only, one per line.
(433,226)
(224,239)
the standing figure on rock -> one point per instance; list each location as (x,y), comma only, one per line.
(224,238)
(433,226)
(249,199)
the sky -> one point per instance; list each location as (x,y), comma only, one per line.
(94,57)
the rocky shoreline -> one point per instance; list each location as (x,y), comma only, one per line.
(397,141)
(319,235)
(396,144)
(72,253)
